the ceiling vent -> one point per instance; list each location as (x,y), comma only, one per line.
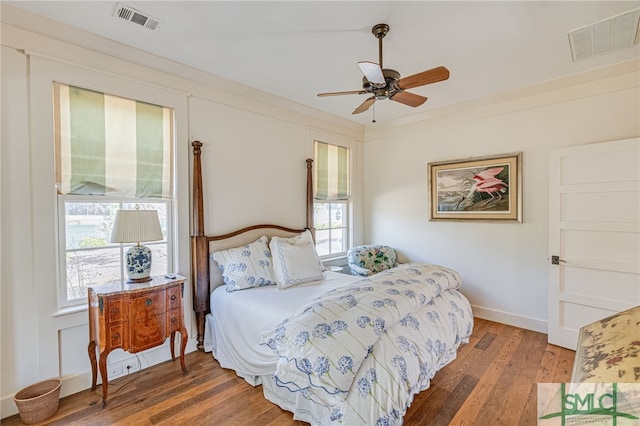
(606,36)
(130,14)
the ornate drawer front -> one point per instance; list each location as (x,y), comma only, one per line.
(174,297)
(115,310)
(116,335)
(149,305)
(174,320)
(147,332)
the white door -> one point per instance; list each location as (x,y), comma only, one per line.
(594,235)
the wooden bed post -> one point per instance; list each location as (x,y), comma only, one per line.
(310,225)
(200,273)
(199,249)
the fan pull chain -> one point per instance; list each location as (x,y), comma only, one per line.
(374,113)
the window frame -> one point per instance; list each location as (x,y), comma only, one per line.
(62,252)
(36,259)
(346,228)
(343,142)
(63,302)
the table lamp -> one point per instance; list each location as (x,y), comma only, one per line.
(137,226)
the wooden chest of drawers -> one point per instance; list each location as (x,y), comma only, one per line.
(134,317)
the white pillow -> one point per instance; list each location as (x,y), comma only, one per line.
(247,266)
(295,260)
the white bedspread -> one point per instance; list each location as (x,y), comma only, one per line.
(238,318)
(412,345)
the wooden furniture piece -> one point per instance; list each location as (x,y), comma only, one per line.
(609,350)
(201,244)
(134,317)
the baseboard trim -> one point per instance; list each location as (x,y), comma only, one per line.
(509,318)
(82,381)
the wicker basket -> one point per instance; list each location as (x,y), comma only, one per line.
(39,401)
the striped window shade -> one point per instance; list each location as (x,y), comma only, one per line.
(331,172)
(109,145)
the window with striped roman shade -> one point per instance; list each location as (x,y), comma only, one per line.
(110,145)
(332,172)
(331,212)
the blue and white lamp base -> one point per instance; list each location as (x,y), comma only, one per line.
(139,264)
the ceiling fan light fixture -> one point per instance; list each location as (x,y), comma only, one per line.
(372,72)
(386,83)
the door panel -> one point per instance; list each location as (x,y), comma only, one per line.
(599,163)
(619,285)
(594,228)
(579,206)
(599,245)
(577,315)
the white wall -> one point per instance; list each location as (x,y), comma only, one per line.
(503,265)
(255,166)
(17,300)
(255,146)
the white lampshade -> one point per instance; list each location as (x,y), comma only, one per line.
(136,226)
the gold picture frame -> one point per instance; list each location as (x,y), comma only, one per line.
(481,188)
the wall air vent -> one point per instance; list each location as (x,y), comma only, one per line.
(606,36)
(130,14)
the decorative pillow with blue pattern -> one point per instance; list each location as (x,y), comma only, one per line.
(247,266)
(295,260)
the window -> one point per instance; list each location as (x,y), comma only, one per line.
(331,199)
(89,258)
(111,153)
(332,233)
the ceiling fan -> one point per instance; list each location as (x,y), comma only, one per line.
(383,83)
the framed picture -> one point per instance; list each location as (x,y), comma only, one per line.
(482,188)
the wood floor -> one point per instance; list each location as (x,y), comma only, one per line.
(492,382)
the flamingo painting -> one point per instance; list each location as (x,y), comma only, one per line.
(482,188)
(486,181)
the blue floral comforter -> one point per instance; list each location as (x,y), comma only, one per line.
(366,349)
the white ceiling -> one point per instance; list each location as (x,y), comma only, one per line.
(296,49)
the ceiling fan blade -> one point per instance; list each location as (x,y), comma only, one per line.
(407,98)
(425,77)
(350,92)
(372,71)
(365,105)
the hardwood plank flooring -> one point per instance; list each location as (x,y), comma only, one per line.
(492,381)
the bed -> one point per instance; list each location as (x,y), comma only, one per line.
(329,347)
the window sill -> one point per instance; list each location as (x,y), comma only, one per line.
(330,259)
(70,310)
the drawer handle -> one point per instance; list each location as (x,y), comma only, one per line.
(173,297)
(115,311)
(148,302)
(116,336)
(173,320)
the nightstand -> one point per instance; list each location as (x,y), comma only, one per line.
(134,317)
